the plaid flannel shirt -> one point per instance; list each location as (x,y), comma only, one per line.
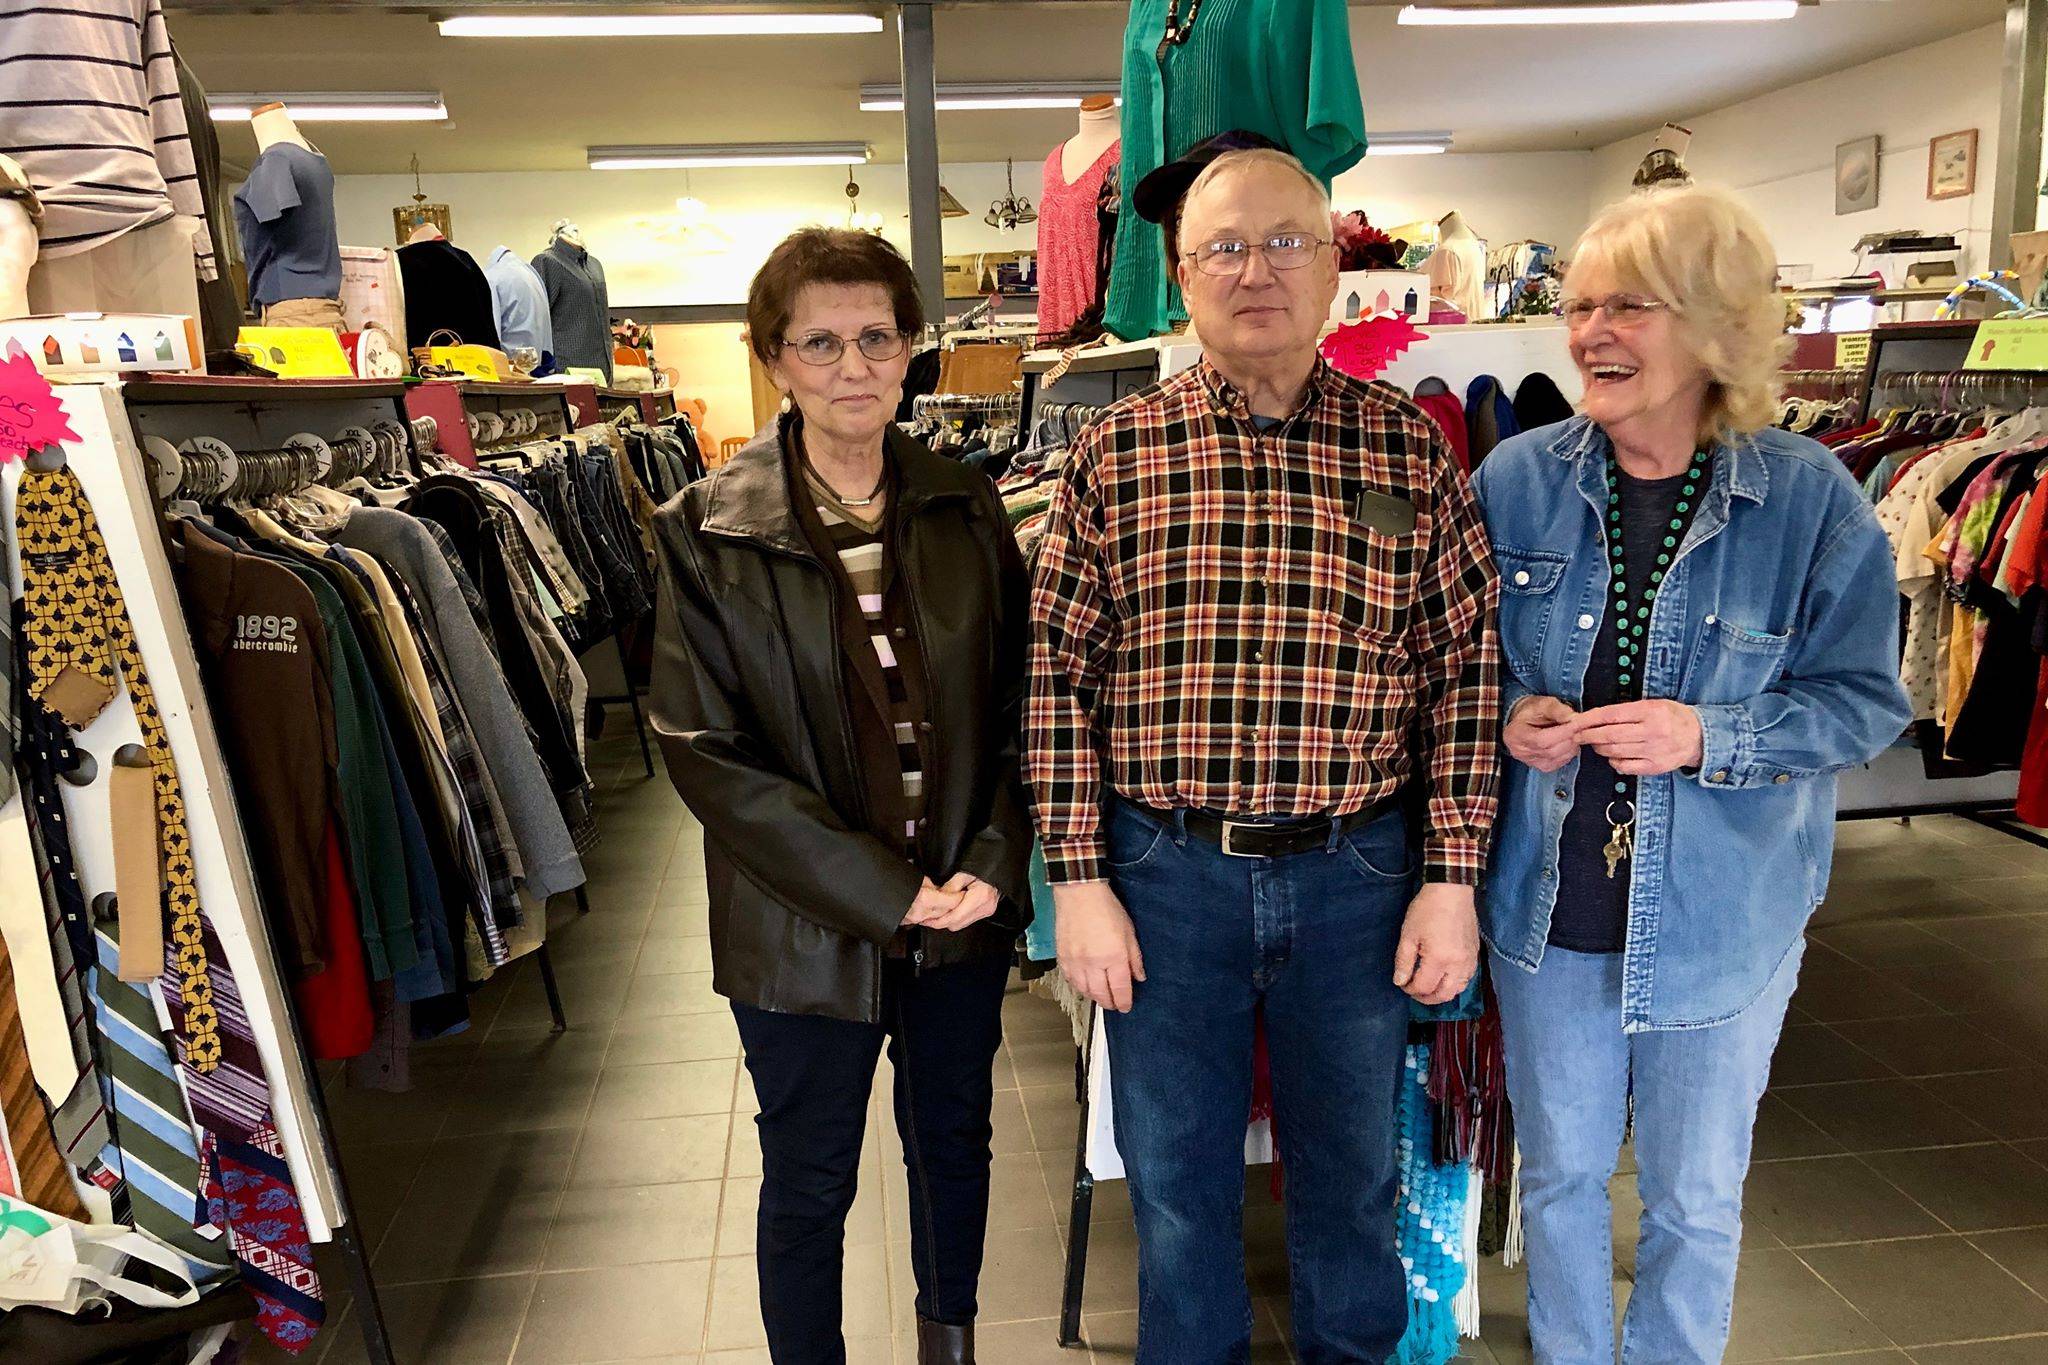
(1220,621)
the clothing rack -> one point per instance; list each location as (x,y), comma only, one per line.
(946,406)
(1828,385)
(1921,364)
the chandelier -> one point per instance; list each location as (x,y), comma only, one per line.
(1010,212)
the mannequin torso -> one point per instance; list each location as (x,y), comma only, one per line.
(1100,127)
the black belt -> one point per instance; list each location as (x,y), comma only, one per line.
(1260,839)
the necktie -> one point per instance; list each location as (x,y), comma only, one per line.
(76,631)
(42,1177)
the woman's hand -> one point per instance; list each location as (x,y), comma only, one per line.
(978,900)
(933,903)
(1542,732)
(1644,738)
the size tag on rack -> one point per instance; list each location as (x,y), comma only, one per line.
(296,352)
(2009,344)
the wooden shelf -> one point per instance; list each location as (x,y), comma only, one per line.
(218,388)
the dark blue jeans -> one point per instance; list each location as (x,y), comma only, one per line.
(813,1076)
(1311,939)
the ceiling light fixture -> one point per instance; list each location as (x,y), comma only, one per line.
(333,106)
(1679,12)
(1407,144)
(654,25)
(992,95)
(683,158)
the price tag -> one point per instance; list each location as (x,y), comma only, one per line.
(30,415)
(2009,344)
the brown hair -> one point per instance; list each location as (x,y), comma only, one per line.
(824,255)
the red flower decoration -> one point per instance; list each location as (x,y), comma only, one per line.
(30,415)
(1363,349)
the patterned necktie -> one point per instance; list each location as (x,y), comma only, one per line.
(76,631)
(41,1175)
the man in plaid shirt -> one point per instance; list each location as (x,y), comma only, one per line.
(1262,742)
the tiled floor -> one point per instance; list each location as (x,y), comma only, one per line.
(588,1197)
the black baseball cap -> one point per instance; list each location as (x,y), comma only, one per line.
(1158,195)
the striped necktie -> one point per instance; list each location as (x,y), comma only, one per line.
(76,631)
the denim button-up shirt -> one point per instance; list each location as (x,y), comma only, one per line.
(1778,624)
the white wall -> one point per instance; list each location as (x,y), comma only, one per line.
(629,219)
(1778,151)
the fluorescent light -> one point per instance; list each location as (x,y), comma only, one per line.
(333,106)
(1407,144)
(654,25)
(1681,12)
(684,158)
(993,95)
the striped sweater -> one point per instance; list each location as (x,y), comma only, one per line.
(90,107)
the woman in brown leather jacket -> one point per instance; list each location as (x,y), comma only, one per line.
(838,678)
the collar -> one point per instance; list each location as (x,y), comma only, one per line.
(503,253)
(748,497)
(1226,400)
(1747,474)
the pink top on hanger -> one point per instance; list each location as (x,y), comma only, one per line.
(1068,238)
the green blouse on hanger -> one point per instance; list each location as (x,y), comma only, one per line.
(1281,68)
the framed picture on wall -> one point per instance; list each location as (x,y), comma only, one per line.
(1952,165)
(1856,175)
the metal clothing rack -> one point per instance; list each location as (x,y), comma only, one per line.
(167,410)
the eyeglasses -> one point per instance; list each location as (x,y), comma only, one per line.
(1283,251)
(1623,310)
(823,348)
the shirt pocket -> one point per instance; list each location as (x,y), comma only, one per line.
(1529,582)
(1368,576)
(1732,663)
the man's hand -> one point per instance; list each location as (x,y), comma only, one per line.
(1543,733)
(932,903)
(978,900)
(1644,738)
(1098,948)
(1439,949)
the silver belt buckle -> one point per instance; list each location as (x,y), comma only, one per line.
(1230,829)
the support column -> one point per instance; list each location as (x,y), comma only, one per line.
(2025,86)
(921,153)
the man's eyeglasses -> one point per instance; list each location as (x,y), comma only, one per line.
(823,348)
(1283,251)
(1623,310)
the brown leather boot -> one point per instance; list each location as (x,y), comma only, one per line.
(938,1344)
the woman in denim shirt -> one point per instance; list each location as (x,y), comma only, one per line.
(1700,622)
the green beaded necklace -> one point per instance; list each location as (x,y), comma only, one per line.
(1632,624)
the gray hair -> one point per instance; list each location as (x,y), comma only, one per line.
(1261,156)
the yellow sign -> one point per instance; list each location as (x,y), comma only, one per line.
(296,352)
(2009,344)
(1852,350)
(478,362)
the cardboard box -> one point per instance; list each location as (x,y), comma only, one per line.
(1368,293)
(106,343)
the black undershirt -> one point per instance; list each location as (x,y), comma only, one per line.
(1592,911)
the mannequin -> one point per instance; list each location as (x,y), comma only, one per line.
(579,301)
(1101,126)
(19,210)
(284,214)
(1076,218)
(1457,268)
(445,291)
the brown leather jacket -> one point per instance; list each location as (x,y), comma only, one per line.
(748,697)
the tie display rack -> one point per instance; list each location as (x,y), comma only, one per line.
(255,418)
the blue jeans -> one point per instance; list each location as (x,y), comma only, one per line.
(1571,1071)
(1311,939)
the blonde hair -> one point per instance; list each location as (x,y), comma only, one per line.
(1700,250)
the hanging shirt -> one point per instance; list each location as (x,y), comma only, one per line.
(1069,235)
(284,214)
(1280,68)
(520,301)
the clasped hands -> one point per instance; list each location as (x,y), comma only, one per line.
(964,900)
(1639,738)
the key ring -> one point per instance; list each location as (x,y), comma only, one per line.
(1619,823)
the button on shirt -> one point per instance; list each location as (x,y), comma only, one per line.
(1160,587)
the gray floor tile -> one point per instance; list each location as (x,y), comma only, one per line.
(1885,1115)
(2023,1252)
(664,1090)
(1810,1054)
(1830,1199)
(683,1038)
(1930,1290)
(635,1224)
(1911,1048)
(1971,1189)
(1783,1309)
(597,1315)
(2011,1351)
(2011,1104)
(454,1322)
(651,1151)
